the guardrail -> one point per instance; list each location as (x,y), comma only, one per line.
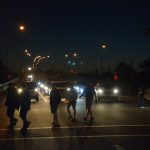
(4,86)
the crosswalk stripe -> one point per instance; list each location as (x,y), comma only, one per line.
(43,97)
(74,127)
(68,137)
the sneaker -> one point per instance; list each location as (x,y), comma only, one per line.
(85,118)
(73,120)
(69,117)
(92,119)
(55,124)
(23,130)
(26,124)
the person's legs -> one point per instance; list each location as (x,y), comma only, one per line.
(69,112)
(10,114)
(74,110)
(56,118)
(53,122)
(87,108)
(91,114)
(23,113)
(89,111)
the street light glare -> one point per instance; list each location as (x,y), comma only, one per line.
(75,54)
(21,28)
(26,51)
(103,46)
(66,55)
(29,68)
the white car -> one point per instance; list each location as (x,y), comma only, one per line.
(107,91)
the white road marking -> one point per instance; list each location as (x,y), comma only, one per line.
(74,127)
(43,97)
(118,147)
(68,137)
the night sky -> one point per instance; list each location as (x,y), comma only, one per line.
(57,28)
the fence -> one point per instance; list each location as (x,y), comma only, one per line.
(4,86)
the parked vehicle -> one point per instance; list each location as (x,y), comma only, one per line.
(32,88)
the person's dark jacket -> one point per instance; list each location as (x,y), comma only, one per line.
(55,97)
(26,101)
(11,99)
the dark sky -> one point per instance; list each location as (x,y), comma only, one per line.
(56,28)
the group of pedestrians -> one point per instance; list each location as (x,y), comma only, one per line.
(22,104)
(71,96)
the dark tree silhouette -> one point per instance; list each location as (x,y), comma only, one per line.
(125,72)
(3,72)
(147,31)
(145,65)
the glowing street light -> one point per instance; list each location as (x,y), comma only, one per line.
(75,54)
(21,28)
(103,46)
(38,59)
(66,55)
(26,51)
(29,68)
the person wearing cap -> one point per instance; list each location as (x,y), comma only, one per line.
(55,99)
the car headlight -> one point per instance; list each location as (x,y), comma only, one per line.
(81,90)
(77,88)
(20,90)
(100,91)
(115,91)
(36,90)
(46,88)
(41,86)
(68,89)
(39,83)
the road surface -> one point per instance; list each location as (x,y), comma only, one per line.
(119,125)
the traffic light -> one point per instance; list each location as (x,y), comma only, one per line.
(116,77)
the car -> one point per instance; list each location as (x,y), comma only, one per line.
(62,86)
(80,86)
(32,88)
(107,91)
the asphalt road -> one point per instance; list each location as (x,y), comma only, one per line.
(119,125)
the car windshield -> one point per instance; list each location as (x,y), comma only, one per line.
(29,85)
(107,85)
(60,84)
